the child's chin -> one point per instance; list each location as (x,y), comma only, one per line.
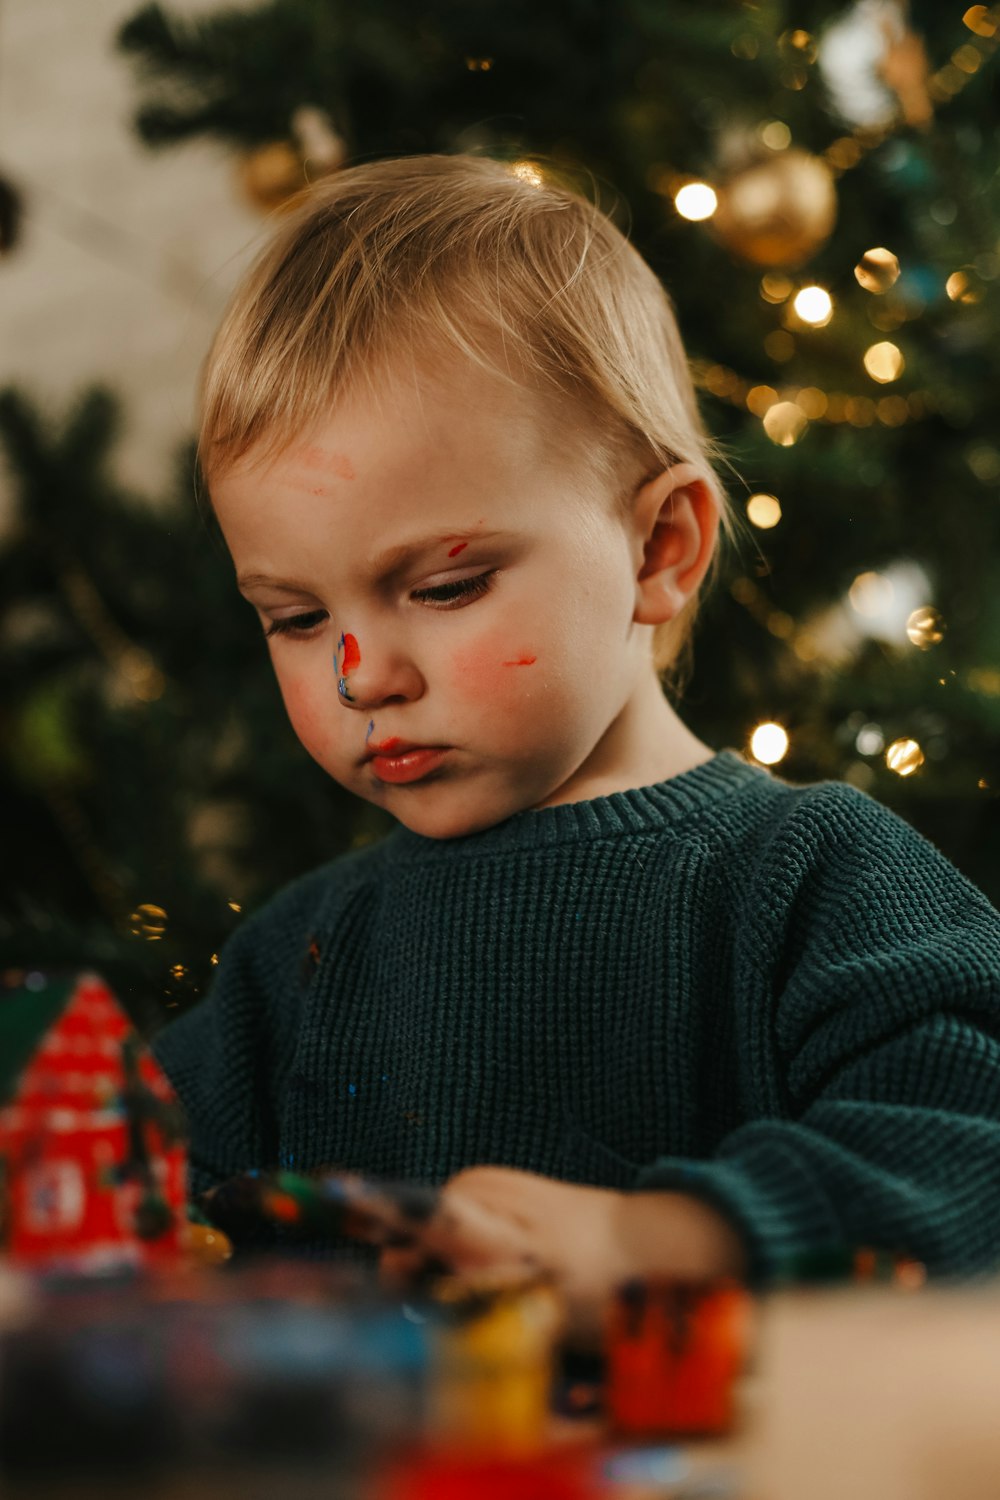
(448,822)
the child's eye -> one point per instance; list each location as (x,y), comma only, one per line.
(462,588)
(297,624)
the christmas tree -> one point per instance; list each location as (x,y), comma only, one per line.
(812,183)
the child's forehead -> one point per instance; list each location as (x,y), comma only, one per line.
(405,425)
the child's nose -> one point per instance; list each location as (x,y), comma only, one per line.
(369,676)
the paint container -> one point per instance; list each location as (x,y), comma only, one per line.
(674,1353)
(492,1342)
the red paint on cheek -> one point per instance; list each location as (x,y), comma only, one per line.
(456,550)
(482,668)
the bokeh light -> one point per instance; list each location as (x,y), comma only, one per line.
(149,922)
(904,757)
(776,135)
(814,306)
(871,594)
(784,423)
(884,362)
(925,626)
(696,200)
(870,740)
(769,744)
(877,270)
(764,511)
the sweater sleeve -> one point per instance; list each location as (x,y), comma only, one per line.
(227,1056)
(872,1027)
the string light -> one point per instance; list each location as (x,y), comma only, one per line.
(959,287)
(870,740)
(814,306)
(769,744)
(760,399)
(893,411)
(784,423)
(925,627)
(149,922)
(884,362)
(696,201)
(877,270)
(904,757)
(776,288)
(764,511)
(776,135)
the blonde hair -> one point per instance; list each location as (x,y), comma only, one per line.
(463,253)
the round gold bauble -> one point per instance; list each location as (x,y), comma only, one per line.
(272,175)
(779,211)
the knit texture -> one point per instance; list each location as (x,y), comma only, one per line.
(779,998)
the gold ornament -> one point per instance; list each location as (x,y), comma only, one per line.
(274,174)
(779,211)
(271,175)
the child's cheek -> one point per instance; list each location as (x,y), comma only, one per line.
(307,718)
(497,666)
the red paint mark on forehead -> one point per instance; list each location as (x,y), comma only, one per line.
(454,551)
(314,457)
(522,661)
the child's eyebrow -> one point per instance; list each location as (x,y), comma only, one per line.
(387,562)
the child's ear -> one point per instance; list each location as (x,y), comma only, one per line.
(676,522)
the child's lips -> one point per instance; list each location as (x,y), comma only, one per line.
(407,763)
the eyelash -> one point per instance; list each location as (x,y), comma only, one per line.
(465,589)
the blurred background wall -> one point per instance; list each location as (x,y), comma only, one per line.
(124,262)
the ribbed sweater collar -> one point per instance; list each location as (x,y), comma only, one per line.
(637,810)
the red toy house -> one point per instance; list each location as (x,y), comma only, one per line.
(92,1165)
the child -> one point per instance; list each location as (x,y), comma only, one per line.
(641,1005)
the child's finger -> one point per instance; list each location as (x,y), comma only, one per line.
(468,1236)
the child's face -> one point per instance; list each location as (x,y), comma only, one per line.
(508,638)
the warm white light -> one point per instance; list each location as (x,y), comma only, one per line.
(884,362)
(769,744)
(871,594)
(764,511)
(776,135)
(814,305)
(784,423)
(696,200)
(904,757)
(528,172)
(877,270)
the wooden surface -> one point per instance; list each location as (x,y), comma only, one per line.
(874,1393)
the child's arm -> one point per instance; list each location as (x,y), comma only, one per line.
(871,1023)
(868,1001)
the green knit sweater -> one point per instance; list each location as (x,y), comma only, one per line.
(780,998)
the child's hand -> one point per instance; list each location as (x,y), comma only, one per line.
(591,1239)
